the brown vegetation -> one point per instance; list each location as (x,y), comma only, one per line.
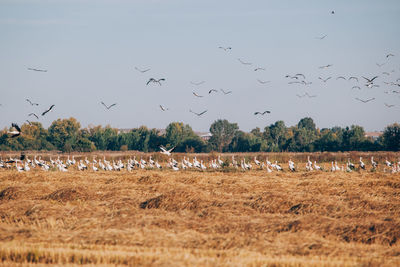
(193,218)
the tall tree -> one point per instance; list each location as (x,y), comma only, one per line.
(222,134)
(391,137)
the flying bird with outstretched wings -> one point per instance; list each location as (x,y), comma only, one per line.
(38,70)
(366,100)
(142,70)
(198,114)
(33,114)
(197,95)
(108,107)
(30,102)
(197,83)
(262,113)
(243,62)
(152,80)
(16,132)
(50,108)
(225,92)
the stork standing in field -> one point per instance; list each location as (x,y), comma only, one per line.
(373,163)
(362,165)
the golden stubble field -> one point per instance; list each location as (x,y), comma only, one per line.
(187,218)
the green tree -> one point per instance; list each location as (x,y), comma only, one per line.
(222,134)
(391,137)
(63,133)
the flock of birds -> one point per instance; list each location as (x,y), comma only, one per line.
(298,78)
(24,164)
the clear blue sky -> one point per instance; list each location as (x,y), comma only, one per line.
(90,49)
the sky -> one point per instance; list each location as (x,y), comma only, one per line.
(90,50)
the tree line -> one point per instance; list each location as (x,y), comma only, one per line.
(66,135)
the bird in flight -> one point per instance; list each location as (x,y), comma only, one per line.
(324,80)
(310,96)
(16,132)
(333,12)
(340,77)
(197,83)
(155,81)
(165,151)
(370,80)
(33,114)
(263,82)
(380,65)
(389,106)
(225,92)
(262,113)
(321,37)
(30,123)
(386,73)
(163,108)
(259,68)
(212,90)
(243,62)
(195,94)
(142,70)
(353,78)
(326,66)
(225,48)
(108,107)
(356,87)
(365,101)
(50,108)
(39,70)
(300,74)
(198,114)
(32,104)
(389,55)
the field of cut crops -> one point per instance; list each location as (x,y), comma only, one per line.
(224,218)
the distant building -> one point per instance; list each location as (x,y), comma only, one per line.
(373,135)
(204,135)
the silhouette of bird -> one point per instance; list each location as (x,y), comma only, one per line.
(263,82)
(197,83)
(38,70)
(262,113)
(155,81)
(225,48)
(380,65)
(326,66)
(259,68)
(324,80)
(16,132)
(356,87)
(50,108)
(212,90)
(366,100)
(32,104)
(108,107)
(142,70)
(353,78)
(321,37)
(163,108)
(225,92)
(370,80)
(198,114)
(389,55)
(195,94)
(243,62)
(33,114)
(389,106)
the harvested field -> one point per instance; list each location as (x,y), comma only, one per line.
(168,218)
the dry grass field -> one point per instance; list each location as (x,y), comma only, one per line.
(187,218)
